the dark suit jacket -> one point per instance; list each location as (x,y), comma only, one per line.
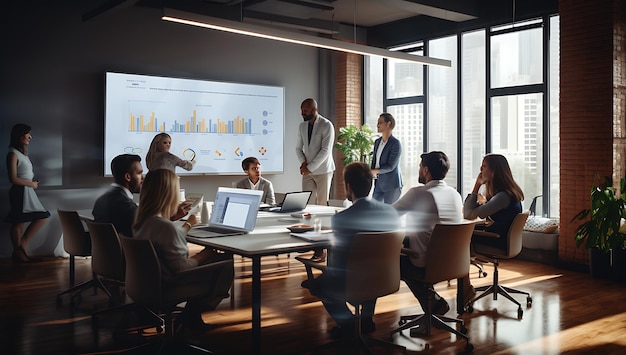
(389,176)
(365,215)
(115,207)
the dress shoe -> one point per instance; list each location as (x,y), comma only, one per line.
(19,256)
(319,257)
(469,293)
(440,307)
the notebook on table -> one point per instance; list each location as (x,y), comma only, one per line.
(293,202)
(234,213)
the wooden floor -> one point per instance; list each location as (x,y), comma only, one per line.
(571,313)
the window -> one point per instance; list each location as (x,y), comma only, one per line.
(495,98)
(442,104)
(473,124)
(516,135)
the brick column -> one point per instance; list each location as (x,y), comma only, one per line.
(348,105)
(591,108)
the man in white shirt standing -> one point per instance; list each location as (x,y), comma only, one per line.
(427,205)
(314,148)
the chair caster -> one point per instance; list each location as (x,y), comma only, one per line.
(469,347)
(520,313)
(463,329)
(484,274)
(529,301)
(469,308)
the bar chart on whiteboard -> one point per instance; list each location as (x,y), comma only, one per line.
(217,124)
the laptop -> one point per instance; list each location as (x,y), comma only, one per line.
(234,212)
(293,202)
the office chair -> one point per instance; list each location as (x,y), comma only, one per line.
(448,257)
(145,287)
(76,242)
(494,255)
(372,271)
(109,266)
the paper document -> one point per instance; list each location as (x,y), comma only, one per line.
(311,236)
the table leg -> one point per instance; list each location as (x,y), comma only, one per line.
(256,304)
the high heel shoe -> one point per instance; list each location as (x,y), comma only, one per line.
(19,256)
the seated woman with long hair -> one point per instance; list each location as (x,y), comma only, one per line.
(500,204)
(158,201)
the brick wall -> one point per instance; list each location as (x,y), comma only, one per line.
(590,108)
(348,105)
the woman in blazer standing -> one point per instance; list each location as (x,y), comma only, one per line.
(386,160)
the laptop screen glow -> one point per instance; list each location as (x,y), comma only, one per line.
(236,208)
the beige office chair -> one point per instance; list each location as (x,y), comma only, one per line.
(146,288)
(494,255)
(372,271)
(448,257)
(76,242)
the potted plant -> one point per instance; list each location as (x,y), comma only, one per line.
(355,143)
(601,232)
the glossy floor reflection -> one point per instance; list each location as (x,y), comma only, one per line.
(571,313)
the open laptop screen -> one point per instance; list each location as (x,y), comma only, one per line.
(236,208)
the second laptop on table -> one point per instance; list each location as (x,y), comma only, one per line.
(293,202)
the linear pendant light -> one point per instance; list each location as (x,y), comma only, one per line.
(292,37)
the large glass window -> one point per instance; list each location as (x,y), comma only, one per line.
(516,133)
(442,104)
(517,58)
(404,78)
(410,131)
(554,190)
(500,106)
(473,113)
(373,93)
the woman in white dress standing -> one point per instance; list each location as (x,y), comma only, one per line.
(25,206)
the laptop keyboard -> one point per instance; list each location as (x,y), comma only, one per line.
(218,232)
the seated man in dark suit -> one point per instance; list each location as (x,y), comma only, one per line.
(365,215)
(116,206)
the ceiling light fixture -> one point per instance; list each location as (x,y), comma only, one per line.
(292,37)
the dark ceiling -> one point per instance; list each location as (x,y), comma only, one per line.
(385,22)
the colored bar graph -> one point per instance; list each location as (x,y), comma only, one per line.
(193,124)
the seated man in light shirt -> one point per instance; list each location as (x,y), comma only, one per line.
(426,205)
(255,181)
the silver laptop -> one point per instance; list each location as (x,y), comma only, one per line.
(293,202)
(234,213)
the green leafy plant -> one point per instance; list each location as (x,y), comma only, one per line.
(602,230)
(355,144)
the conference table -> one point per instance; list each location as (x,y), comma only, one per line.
(270,237)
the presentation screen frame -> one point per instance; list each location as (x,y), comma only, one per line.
(215,123)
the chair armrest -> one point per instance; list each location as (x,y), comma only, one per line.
(486,234)
(409,252)
(199,273)
(309,265)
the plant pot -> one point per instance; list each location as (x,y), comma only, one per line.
(618,264)
(599,263)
